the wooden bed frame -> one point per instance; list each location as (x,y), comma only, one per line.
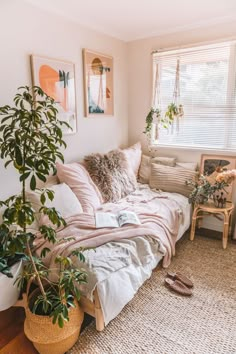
(93,308)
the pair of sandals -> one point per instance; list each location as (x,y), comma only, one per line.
(179,283)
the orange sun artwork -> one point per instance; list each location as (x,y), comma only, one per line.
(57,80)
(98,82)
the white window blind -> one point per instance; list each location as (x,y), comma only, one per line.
(207,92)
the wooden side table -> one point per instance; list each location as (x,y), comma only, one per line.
(224,214)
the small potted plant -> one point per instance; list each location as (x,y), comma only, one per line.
(31,141)
(173,111)
(153,114)
(208,187)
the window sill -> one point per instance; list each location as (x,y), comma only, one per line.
(189,149)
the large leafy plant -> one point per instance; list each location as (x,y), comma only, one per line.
(31,141)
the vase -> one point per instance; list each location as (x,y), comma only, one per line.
(219,199)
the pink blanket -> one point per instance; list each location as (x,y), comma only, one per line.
(159,216)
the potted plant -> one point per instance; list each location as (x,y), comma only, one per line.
(31,141)
(173,111)
(150,119)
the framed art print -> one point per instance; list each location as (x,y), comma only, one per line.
(98,84)
(57,79)
(211,163)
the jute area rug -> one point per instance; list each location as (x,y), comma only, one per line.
(159,321)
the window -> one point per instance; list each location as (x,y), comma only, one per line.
(207,92)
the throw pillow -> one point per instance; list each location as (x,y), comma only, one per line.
(171,179)
(188,165)
(133,155)
(51,181)
(145,166)
(145,169)
(78,179)
(112,174)
(167,161)
(64,201)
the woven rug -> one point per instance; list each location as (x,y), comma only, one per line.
(159,321)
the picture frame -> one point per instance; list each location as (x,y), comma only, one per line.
(57,79)
(98,84)
(209,164)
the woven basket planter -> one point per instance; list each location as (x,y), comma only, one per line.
(48,337)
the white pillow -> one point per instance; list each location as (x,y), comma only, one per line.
(188,165)
(133,155)
(65,201)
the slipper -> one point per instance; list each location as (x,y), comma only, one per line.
(178,287)
(179,276)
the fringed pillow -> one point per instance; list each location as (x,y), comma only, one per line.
(112,174)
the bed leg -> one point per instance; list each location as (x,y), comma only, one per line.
(98,313)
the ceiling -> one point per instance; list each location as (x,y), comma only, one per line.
(134,19)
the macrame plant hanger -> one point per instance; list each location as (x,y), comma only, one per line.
(176,98)
(156,101)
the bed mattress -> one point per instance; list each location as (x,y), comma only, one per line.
(119,268)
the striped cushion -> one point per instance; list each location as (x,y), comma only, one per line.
(171,179)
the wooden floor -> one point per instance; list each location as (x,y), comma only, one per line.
(12,338)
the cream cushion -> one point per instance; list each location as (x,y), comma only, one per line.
(133,155)
(167,161)
(171,179)
(188,165)
(145,166)
(78,179)
(145,169)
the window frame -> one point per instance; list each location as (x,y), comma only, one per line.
(230,94)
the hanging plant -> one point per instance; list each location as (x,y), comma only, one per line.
(173,111)
(150,119)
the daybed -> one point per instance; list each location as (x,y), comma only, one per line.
(122,259)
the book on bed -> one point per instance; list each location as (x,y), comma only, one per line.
(116,220)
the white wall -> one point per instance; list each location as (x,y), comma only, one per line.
(140,83)
(26,30)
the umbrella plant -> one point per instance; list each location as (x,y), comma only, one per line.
(31,141)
